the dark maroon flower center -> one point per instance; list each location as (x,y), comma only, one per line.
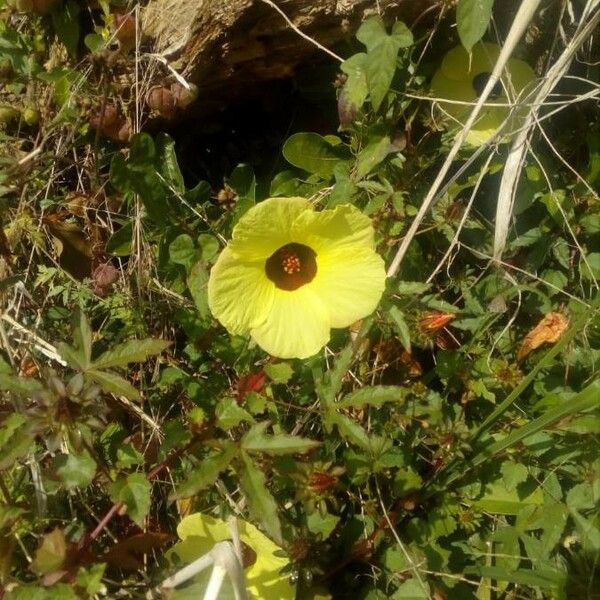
(480,81)
(292,266)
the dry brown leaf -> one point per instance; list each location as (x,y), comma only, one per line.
(547,331)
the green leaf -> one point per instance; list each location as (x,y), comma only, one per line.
(586,399)
(206,473)
(182,250)
(355,90)
(76,470)
(382,52)
(209,246)
(197,283)
(16,439)
(95,42)
(119,243)
(65,18)
(139,175)
(230,414)
(21,386)
(279,372)
(380,68)
(320,525)
(167,162)
(130,351)
(261,503)
(500,500)
(540,578)
(313,153)
(400,326)
(472,20)
(370,156)
(588,532)
(113,384)
(74,358)
(281,443)
(374,395)
(82,334)
(134,492)
(243,181)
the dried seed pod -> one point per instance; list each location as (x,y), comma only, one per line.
(184,96)
(161,100)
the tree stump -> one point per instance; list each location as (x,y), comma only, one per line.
(227,47)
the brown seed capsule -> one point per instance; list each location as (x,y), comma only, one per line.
(184,96)
(161,100)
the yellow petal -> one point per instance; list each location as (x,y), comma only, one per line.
(350,281)
(266,227)
(459,66)
(342,226)
(199,533)
(239,293)
(297,326)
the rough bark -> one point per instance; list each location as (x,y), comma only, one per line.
(225,46)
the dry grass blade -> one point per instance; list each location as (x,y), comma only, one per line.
(516,157)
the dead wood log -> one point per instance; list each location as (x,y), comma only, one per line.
(227,47)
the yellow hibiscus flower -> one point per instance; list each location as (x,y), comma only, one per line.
(263,559)
(290,274)
(461,78)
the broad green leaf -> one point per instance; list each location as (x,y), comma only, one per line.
(182,250)
(76,470)
(280,443)
(82,333)
(588,532)
(130,351)
(74,358)
(279,372)
(311,152)
(21,386)
(209,246)
(51,553)
(331,381)
(380,68)
(230,414)
(413,589)
(197,283)
(540,577)
(261,503)
(372,33)
(355,91)
(400,326)
(113,384)
(321,525)
(59,591)
(370,156)
(585,400)
(16,439)
(374,395)
(134,492)
(243,181)
(382,52)
(119,243)
(167,162)
(206,473)
(472,20)
(354,433)
(500,500)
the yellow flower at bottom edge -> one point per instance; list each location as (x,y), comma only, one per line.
(461,78)
(290,274)
(263,559)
